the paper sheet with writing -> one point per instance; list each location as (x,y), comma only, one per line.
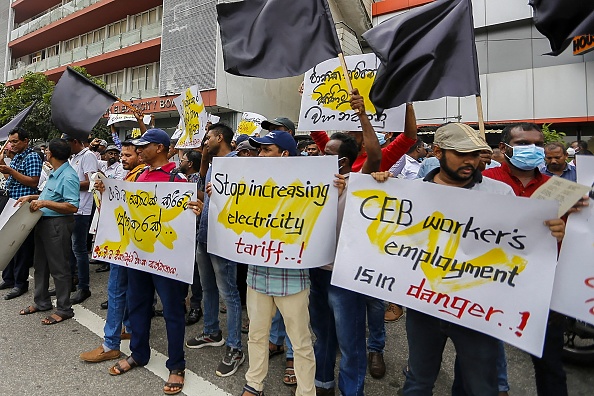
(564,191)
(262,214)
(325,103)
(435,249)
(573,294)
(147,226)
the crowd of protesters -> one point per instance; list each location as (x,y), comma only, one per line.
(282,304)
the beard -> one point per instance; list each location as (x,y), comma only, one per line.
(453,174)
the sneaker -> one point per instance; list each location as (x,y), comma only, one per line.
(205,340)
(231,362)
(393,313)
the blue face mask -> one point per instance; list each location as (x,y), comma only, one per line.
(526,157)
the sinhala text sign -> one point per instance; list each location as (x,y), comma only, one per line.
(482,261)
(146,226)
(193,118)
(573,294)
(325,104)
(262,214)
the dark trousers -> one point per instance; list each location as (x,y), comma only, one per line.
(79,257)
(548,370)
(52,249)
(141,290)
(17,271)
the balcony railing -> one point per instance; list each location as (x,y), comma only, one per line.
(50,17)
(110,44)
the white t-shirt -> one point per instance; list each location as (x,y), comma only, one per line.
(84,163)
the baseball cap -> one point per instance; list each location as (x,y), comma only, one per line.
(279,121)
(102,143)
(459,137)
(155,135)
(112,148)
(241,138)
(245,145)
(282,139)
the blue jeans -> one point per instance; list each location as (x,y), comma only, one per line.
(278,334)
(458,386)
(476,353)
(141,289)
(219,275)
(376,325)
(79,259)
(117,312)
(550,376)
(338,321)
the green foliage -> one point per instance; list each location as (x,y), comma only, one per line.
(36,86)
(552,135)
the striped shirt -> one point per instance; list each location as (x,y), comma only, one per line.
(277,281)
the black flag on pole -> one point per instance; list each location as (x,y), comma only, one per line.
(426,53)
(276,38)
(78,103)
(562,20)
(16,122)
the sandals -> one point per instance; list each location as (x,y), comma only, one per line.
(276,350)
(117,369)
(55,318)
(251,391)
(289,377)
(31,309)
(178,385)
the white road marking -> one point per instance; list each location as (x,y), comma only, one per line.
(194,384)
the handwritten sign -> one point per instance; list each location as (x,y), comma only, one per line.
(193,116)
(250,124)
(573,294)
(564,191)
(414,243)
(127,120)
(263,215)
(325,104)
(146,226)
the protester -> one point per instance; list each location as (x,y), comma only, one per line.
(58,202)
(153,147)
(117,284)
(85,164)
(280,124)
(287,290)
(217,274)
(245,149)
(24,171)
(337,314)
(190,167)
(556,162)
(522,145)
(312,149)
(98,146)
(580,147)
(114,168)
(408,166)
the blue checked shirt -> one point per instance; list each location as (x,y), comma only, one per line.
(27,163)
(277,281)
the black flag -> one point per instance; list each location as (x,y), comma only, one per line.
(16,122)
(562,20)
(426,53)
(78,103)
(276,38)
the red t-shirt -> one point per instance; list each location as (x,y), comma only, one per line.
(161,174)
(390,154)
(503,174)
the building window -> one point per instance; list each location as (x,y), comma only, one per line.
(114,82)
(147,18)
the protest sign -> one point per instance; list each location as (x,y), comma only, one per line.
(435,249)
(193,114)
(250,124)
(127,120)
(146,226)
(16,223)
(573,294)
(263,215)
(325,103)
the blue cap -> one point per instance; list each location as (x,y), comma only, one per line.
(156,135)
(282,139)
(241,138)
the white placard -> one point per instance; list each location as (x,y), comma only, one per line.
(16,224)
(483,261)
(573,294)
(128,119)
(193,118)
(146,226)
(325,104)
(250,124)
(263,215)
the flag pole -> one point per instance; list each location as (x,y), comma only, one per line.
(481,118)
(3,147)
(347,78)
(130,106)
